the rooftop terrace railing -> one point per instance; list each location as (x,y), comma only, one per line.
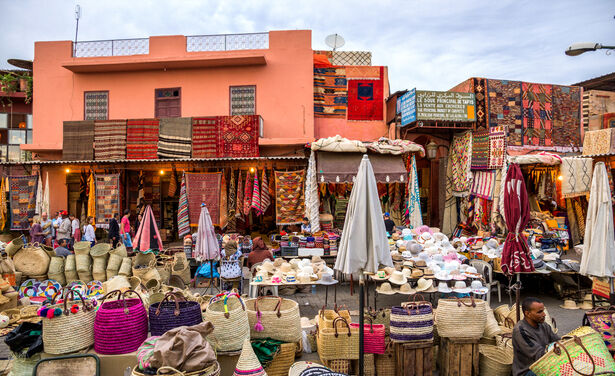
(114,47)
(227,42)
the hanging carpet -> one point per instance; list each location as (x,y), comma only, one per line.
(142,139)
(22,199)
(203,188)
(289,197)
(175,138)
(78,141)
(107,198)
(109,139)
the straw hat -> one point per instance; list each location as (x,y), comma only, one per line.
(266,266)
(285,268)
(389,270)
(428,274)
(260,277)
(406,289)
(420,263)
(461,288)
(569,304)
(396,256)
(307,324)
(425,285)
(408,263)
(294,263)
(443,288)
(290,278)
(478,288)
(327,279)
(385,289)
(416,274)
(248,363)
(278,262)
(315,369)
(397,278)
(304,278)
(380,275)
(406,272)
(442,275)
(586,305)
(395,236)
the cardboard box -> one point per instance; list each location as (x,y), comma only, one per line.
(110,365)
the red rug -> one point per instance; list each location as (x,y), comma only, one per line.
(205,137)
(203,188)
(142,139)
(239,136)
(366,99)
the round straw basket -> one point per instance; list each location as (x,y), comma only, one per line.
(31,261)
(82,248)
(231,328)
(468,314)
(144,259)
(69,332)
(495,361)
(100,250)
(282,360)
(98,268)
(84,263)
(492,327)
(152,285)
(279,318)
(151,274)
(212,370)
(120,250)
(14,246)
(125,268)
(164,270)
(501,312)
(117,283)
(181,267)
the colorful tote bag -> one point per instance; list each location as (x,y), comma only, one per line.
(601,320)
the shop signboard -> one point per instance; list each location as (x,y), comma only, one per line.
(437,106)
(407,107)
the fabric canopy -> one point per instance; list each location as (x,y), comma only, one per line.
(599,247)
(343,167)
(516,254)
(364,245)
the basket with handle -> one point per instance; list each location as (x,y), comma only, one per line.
(173,311)
(373,337)
(495,361)
(380,316)
(274,317)
(69,332)
(326,316)
(282,360)
(211,370)
(601,320)
(227,312)
(413,321)
(466,313)
(120,326)
(339,342)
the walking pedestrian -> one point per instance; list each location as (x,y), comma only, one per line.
(88,233)
(114,230)
(64,229)
(47,226)
(125,229)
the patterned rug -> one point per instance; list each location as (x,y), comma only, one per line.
(78,140)
(504,104)
(483,184)
(175,138)
(480,149)
(365,98)
(363,72)
(597,142)
(203,188)
(330,92)
(480,93)
(183,220)
(205,137)
(459,159)
(238,136)
(566,116)
(107,198)
(577,176)
(497,146)
(109,139)
(289,202)
(537,114)
(142,139)
(22,198)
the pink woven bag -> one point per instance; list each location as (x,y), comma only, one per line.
(373,337)
(120,326)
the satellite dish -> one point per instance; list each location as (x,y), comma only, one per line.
(335,41)
(77,12)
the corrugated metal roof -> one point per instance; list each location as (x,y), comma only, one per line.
(63,162)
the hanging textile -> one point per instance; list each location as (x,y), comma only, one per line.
(207,246)
(232,196)
(415,217)
(174,140)
(240,192)
(598,257)
(497,221)
(39,195)
(142,139)
(449,221)
(109,139)
(460,157)
(579,213)
(107,198)
(256,196)
(223,202)
(483,183)
(173,184)
(183,219)
(45,204)
(576,174)
(265,195)
(91,197)
(22,199)
(572,222)
(83,186)
(247,195)
(141,191)
(203,188)
(2,204)
(289,198)
(312,203)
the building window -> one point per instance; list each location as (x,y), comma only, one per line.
(168,102)
(15,129)
(243,100)
(96,105)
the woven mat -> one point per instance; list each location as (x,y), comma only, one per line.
(567,103)
(238,136)
(537,114)
(107,198)
(497,146)
(22,198)
(365,98)
(289,201)
(330,92)
(203,188)
(205,137)
(505,108)
(174,140)
(109,139)
(142,139)
(78,140)
(480,149)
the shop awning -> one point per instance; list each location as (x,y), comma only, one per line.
(343,167)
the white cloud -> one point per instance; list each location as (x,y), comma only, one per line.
(429,44)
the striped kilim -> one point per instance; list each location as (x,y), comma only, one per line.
(109,139)
(203,188)
(22,199)
(223,201)
(175,138)
(256,196)
(289,201)
(183,219)
(247,195)
(265,197)
(239,200)
(205,136)
(232,195)
(142,139)
(78,140)
(107,198)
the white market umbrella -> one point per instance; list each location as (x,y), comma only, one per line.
(599,247)
(206,241)
(364,246)
(312,202)
(414,198)
(39,196)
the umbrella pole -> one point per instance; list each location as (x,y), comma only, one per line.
(518,297)
(361,322)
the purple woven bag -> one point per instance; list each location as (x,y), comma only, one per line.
(120,326)
(168,314)
(413,322)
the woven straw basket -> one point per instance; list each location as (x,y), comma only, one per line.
(491,328)
(495,361)
(125,268)
(84,263)
(469,314)
(14,246)
(181,267)
(100,250)
(231,328)
(326,317)
(340,342)
(282,360)
(31,261)
(279,318)
(82,248)
(98,268)
(212,370)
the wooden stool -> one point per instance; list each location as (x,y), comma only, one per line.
(414,358)
(458,356)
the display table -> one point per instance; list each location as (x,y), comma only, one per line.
(260,285)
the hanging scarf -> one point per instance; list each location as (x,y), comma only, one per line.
(322,187)
(83,186)
(2,205)
(247,195)
(141,187)
(223,201)
(265,197)
(239,201)
(91,197)
(231,195)
(173,184)
(256,196)
(183,220)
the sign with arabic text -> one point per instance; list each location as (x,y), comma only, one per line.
(418,105)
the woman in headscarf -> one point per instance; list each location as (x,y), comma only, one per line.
(259,253)
(230,267)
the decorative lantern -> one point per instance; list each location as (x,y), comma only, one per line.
(432,150)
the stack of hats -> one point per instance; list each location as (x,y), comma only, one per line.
(297,271)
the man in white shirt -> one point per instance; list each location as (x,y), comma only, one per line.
(65,227)
(75,231)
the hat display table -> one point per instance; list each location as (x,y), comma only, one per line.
(458,356)
(414,358)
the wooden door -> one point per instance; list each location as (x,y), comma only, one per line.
(168,102)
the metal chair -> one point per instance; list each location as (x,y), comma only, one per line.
(486,270)
(78,364)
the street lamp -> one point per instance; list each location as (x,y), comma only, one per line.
(576,49)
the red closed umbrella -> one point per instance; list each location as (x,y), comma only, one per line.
(516,255)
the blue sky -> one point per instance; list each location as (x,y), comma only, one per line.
(428,44)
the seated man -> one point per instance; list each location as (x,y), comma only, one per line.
(61,250)
(530,337)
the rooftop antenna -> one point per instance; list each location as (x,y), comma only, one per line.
(335,41)
(77,16)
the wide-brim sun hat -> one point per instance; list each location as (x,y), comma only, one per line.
(327,279)
(569,304)
(461,288)
(397,278)
(478,288)
(385,289)
(444,288)
(442,275)
(406,289)
(425,285)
